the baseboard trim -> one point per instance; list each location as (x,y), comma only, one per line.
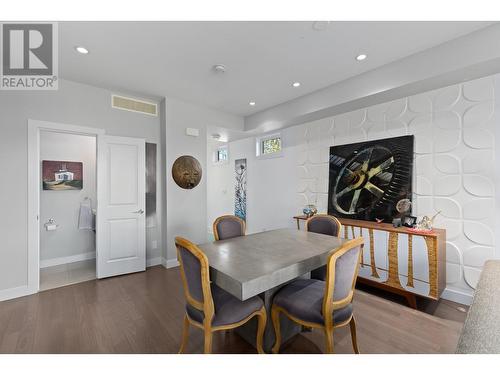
(19,291)
(457,296)
(150,262)
(65,260)
(170,263)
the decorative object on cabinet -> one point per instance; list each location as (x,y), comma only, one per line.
(409,221)
(401,260)
(310,210)
(368,180)
(62,175)
(300,218)
(240,189)
(426,223)
(396,223)
(186,172)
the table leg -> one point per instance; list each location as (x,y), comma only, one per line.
(298,224)
(288,328)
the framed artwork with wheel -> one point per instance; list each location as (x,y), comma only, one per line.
(371,180)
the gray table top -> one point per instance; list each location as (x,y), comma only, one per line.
(249,265)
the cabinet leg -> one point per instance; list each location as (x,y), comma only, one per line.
(412,301)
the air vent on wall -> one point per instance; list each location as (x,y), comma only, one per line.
(134,105)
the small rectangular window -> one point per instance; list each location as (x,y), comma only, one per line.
(221,155)
(269,146)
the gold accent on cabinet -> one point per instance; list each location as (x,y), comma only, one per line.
(431,243)
(436,259)
(392,254)
(410,261)
(372,254)
(362,247)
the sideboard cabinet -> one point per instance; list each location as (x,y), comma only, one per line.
(400,260)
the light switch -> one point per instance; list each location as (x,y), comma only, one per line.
(192,132)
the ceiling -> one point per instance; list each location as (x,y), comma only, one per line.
(263,59)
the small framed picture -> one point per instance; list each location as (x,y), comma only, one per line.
(409,221)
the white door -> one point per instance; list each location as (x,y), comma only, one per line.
(121,201)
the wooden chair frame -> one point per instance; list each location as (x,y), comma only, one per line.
(236,218)
(329,305)
(207,306)
(339,224)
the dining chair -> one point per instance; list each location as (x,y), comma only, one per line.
(228,226)
(209,307)
(326,305)
(323,224)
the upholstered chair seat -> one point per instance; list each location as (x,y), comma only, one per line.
(323,224)
(319,304)
(209,307)
(303,298)
(228,309)
(228,226)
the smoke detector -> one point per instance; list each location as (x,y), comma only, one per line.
(219,68)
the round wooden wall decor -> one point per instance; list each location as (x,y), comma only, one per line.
(186,172)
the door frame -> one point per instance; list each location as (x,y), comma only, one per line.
(34,129)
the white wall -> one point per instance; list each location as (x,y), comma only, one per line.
(73,103)
(64,206)
(454,130)
(186,210)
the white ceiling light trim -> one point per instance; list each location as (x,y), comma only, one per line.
(252,103)
(361,57)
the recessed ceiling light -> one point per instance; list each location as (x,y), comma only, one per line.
(251,103)
(296,84)
(219,68)
(361,57)
(82,50)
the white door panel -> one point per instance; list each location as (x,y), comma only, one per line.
(121,225)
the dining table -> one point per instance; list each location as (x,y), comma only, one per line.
(260,264)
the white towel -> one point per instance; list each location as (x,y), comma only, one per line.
(86,219)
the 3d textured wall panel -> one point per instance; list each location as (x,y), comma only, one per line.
(454,164)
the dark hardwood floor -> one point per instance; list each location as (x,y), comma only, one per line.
(143,312)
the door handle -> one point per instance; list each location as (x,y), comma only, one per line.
(141,211)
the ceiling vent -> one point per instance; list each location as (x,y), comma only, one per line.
(134,105)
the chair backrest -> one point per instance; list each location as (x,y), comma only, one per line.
(195,276)
(228,226)
(324,224)
(341,274)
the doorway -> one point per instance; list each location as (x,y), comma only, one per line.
(116,205)
(68,204)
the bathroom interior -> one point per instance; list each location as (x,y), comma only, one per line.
(68,207)
(68,198)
